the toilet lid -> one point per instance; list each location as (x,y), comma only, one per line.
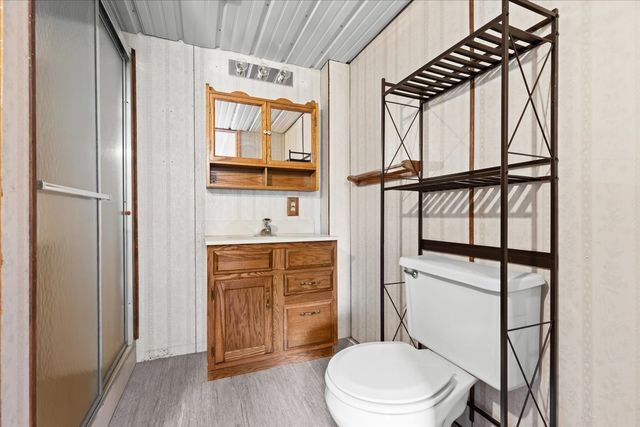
(389,373)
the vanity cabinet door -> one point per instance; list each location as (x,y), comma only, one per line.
(243,317)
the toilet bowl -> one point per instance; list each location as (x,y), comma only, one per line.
(394,384)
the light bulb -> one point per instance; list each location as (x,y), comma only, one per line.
(283,76)
(241,67)
(263,72)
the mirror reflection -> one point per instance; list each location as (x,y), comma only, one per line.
(238,130)
(290,136)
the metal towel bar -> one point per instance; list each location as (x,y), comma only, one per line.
(61,189)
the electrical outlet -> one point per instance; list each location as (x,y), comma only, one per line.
(292,206)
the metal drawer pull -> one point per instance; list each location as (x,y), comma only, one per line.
(70,191)
(309,283)
(310,313)
(412,273)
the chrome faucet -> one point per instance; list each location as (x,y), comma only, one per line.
(266,227)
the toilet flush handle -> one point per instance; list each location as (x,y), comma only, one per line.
(410,272)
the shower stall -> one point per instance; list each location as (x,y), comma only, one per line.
(82,255)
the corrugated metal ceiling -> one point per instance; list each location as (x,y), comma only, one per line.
(304,33)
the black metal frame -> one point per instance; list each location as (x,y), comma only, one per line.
(496,44)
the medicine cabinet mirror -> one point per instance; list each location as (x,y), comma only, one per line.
(261,144)
(290,136)
(238,131)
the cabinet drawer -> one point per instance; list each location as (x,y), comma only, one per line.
(310,256)
(248,259)
(308,281)
(309,325)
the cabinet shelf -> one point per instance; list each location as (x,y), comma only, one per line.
(292,166)
(279,165)
(232,175)
(237,163)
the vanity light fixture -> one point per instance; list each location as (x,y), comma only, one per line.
(242,68)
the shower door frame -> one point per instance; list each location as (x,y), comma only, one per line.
(101,14)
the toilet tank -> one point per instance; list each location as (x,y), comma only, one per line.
(453,308)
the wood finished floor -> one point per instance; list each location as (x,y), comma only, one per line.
(175,392)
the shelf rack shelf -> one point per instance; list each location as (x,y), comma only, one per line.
(496,45)
(473,179)
(476,54)
(403,170)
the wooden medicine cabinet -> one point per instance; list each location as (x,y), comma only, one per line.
(261,144)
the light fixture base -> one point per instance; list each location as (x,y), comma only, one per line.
(279,76)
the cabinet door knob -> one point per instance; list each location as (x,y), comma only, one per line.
(127,213)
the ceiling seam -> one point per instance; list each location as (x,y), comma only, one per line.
(361,39)
(164,21)
(304,27)
(359,31)
(179,22)
(222,7)
(134,9)
(258,35)
(115,13)
(303,61)
(339,33)
(295,33)
(381,30)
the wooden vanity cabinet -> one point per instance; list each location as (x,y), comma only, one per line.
(270,304)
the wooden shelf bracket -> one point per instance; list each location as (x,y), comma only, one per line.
(403,170)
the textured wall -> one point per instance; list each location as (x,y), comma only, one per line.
(240,211)
(166,197)
(335,98)
(176,210)
(14,361)
(599,300)
(405,45)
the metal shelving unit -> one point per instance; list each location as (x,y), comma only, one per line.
(494,45)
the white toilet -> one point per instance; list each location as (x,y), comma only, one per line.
(453,308)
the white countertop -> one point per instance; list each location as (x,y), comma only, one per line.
(280,238)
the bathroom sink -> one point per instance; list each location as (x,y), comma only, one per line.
(261,238)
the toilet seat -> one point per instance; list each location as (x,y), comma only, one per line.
(390,377)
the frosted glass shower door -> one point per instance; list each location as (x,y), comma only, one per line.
(111,113)
(67,356)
